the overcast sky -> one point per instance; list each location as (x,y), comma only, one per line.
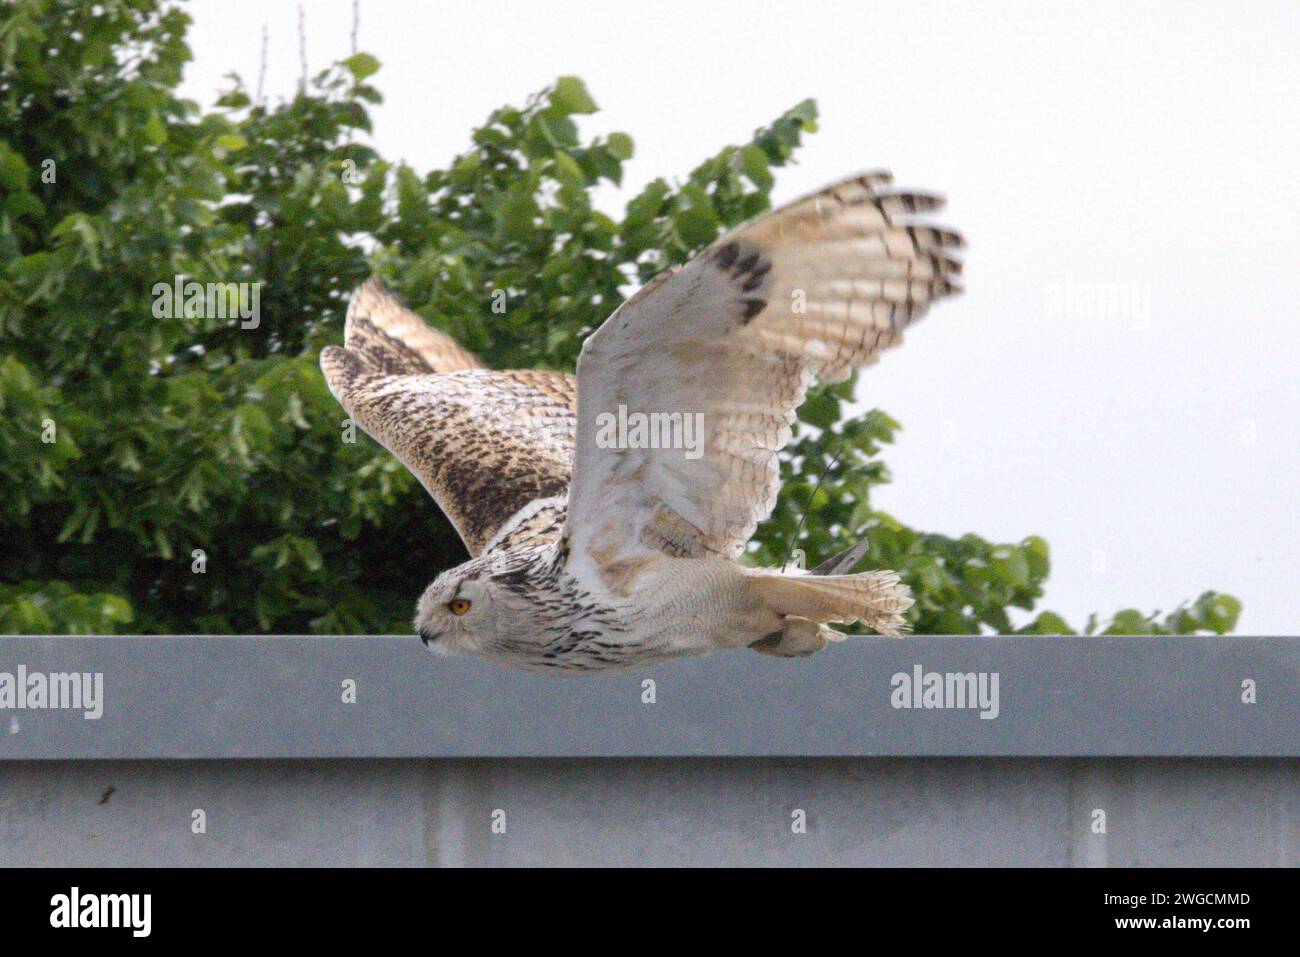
(1121,375)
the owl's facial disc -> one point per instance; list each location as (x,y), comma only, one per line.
(452,610)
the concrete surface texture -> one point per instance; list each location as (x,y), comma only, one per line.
(270,697)
(652,811)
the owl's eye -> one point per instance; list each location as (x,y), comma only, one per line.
(458,606)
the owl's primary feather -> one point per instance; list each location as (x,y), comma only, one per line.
(484,444)
(616,554)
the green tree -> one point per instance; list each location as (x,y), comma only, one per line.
(189,474)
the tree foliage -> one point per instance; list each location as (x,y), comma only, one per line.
(190,474)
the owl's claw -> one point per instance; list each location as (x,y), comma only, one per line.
(799,638)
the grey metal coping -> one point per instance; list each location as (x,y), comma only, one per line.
(283,697)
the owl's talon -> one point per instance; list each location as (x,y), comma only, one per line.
(799,638)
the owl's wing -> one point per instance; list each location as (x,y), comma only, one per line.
(390,338)
(730,342)
(483,443)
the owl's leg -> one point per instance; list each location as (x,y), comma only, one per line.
(799,638)
(875,598)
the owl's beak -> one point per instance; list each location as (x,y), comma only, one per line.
(427,636)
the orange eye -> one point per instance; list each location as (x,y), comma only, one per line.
(458,606)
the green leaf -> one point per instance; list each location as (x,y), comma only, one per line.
(568,172)
(308,553)
(361,65)
(621,145)
(13,170)
(1049,623)
(1130,622)
(116,608)
(154,129)
(754,162)
(805,112)
(570,96)
(1218,612)
(515,218)
(697,225)
(821,410)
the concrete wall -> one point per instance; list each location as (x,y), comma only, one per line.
(328,697)
(365,750)
(898,811)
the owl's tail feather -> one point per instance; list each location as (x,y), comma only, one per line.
(877,599)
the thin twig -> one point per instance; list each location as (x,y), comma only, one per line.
(302,47)
(826,471)
(261,70)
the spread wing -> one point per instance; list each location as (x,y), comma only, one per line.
(483,443)
(390,338)
(732,340)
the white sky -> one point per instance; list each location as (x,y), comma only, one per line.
(1121,375)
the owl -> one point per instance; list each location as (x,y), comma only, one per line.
(604,511)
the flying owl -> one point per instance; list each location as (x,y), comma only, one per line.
(605,512)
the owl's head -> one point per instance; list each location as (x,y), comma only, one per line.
(466,608)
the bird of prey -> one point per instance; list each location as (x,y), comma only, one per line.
(595,547)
